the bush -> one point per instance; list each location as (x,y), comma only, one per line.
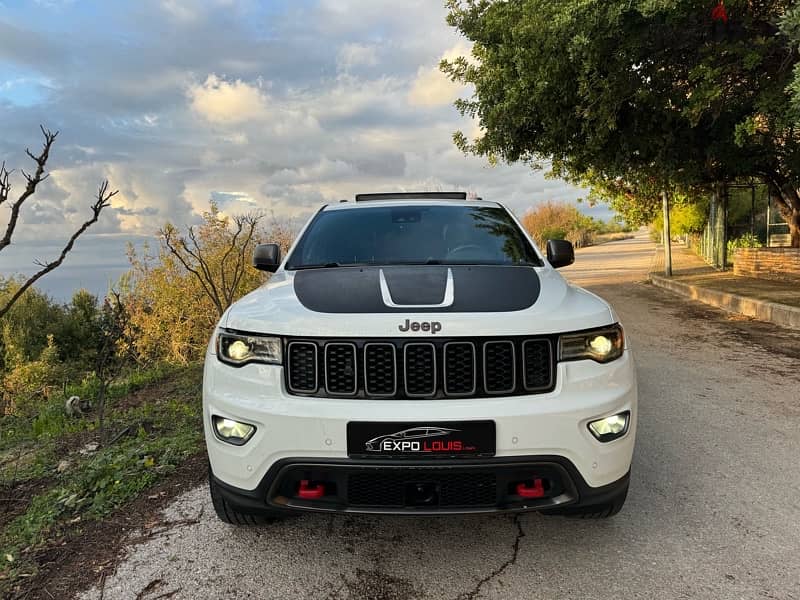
(748,240)
(28,385)
(559,221)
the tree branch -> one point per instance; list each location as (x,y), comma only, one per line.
(5,186)
(33,181)
(102,201)
(166,234)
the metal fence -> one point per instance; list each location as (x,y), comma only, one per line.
(733,211)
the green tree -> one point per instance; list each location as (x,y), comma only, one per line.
(176,296)
(633,96)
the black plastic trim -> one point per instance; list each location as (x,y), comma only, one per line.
(253,501)
(411,196)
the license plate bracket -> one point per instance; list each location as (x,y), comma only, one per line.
(424,440)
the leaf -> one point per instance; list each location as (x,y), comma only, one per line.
(9,558)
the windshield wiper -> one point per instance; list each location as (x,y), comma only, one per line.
(330,265)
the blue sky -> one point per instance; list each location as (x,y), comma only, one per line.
(278,106)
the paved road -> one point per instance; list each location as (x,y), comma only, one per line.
(713,510)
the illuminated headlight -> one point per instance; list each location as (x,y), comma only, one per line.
(238,349)
(610,428)
(602,345)
(231,431)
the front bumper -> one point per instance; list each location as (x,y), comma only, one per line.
(396,487)
(291,428)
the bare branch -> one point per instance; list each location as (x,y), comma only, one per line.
(102,201)
(241,262)
(33,181)
(5,186)
(167,235)
(239,225)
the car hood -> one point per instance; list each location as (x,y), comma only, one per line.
(388,301)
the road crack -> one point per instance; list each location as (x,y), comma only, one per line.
(473,593)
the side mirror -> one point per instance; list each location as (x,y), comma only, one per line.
(560,253)
(267,257)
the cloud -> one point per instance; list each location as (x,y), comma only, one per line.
(277,107)
(431,87)
(356,55)
(228,102)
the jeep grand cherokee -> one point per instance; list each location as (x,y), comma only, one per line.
(418,354)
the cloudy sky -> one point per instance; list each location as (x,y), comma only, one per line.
(274,105)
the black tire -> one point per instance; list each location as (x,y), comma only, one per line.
(228,514)
(595,511)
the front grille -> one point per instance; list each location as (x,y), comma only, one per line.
(420,369)
(390,489)
(340,369)
(538,366)
(499,368)
(301,365)
(380,369)
(459,368)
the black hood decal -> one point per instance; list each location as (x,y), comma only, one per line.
(472,288)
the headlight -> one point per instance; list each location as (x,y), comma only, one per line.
(238,349)
(602,345)
(231,431)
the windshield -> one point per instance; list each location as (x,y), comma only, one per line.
(407,235)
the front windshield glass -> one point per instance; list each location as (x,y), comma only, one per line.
(410,235)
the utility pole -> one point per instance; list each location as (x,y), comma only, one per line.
(667,241)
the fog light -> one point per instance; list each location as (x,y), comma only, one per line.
(610,428)
(232,432)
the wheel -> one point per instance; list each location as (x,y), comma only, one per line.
(228,514)
(594,511)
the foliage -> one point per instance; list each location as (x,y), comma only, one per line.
(747,240)
(161,434)
(27,383)
(559,221)
(685,217)
(634,96)
(35,317)
(172,309)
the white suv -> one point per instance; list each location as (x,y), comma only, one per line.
(417,354)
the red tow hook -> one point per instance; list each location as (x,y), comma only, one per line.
(534,491)
(309,492)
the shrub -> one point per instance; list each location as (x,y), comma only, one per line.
(29,384)
(560,221)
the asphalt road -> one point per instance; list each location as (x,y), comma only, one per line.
(713,509)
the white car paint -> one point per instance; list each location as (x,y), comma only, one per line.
(290,426)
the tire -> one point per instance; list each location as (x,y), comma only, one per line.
(228,514)
(595,511)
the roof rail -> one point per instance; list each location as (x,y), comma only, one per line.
(412,196)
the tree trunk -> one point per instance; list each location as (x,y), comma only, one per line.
(787,200)
(793,220)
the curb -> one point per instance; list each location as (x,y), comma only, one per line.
(780,314)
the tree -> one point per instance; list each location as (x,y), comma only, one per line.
(217,254)
(633,95)
(176,296)
(102,201)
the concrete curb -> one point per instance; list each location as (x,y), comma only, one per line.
(780,314)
